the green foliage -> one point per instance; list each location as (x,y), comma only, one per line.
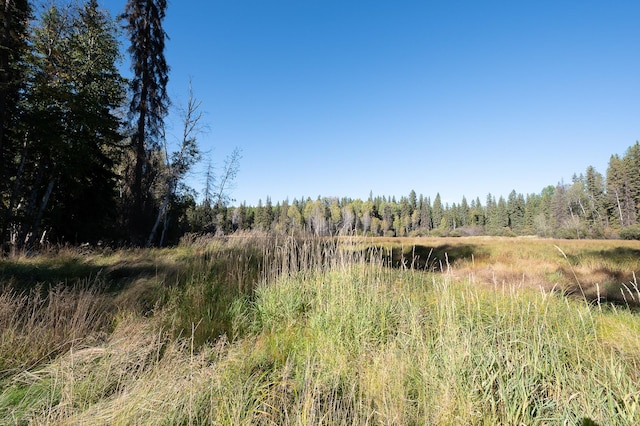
(14,57)
(149,105)
(586,208)
(62,166)
(68,176)
(630,232)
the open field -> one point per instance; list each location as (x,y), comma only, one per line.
(276,330)
(593,268)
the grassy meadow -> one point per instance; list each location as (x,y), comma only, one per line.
(276,330)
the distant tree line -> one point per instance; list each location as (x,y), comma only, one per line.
(83,151)
(589,206)
(84,156)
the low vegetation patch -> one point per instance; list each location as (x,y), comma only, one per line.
(274,330)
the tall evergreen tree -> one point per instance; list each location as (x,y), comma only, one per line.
(531,210)
(595,189)
(86,202)
(426,215)
(13,47)
(632,171)
(623,212)
(150,101)
(516,209)
(64,179)
(463,213)
(14,19)
(497,215)
(437,212)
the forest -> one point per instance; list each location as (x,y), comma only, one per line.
(591,206)
(85,158)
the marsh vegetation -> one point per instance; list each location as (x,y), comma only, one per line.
(263,329)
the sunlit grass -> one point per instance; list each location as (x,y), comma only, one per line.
(268,330)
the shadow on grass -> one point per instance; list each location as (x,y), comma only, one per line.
(433,258)
(611,294)
(24,275)
(616,256)
(198,286)
(614,282)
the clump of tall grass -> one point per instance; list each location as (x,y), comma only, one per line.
(85,376)
(39,324)
(222,270)
(408,348)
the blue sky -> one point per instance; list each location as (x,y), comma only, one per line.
(340,98)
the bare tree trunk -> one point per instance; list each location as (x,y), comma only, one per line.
(179,163)
(136,216)
(45,201)
(619,208)
(8,218)
(161,212)
(164,228)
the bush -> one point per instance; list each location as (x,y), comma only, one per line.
(630,232)
(470,231)
(438,233)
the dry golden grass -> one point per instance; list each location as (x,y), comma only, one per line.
(595,268)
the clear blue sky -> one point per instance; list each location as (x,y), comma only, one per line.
(340,98)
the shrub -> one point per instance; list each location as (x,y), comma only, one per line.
(630,232)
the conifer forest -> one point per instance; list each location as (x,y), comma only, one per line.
(84,157)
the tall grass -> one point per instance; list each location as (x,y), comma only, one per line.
(40,324)
(277,330)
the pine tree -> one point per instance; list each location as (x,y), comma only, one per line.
(595,189)
(560,210)
(463,212)
(13,48)
(86,201)
(497,215)
(264,215)
(426,215)
(631,162)
(413,201)
(477,214)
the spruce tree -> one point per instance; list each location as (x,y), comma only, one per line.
(437,212)
(64,177)
(595,188)
(516,212)
(86,203)
(149,103)
(632,171)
